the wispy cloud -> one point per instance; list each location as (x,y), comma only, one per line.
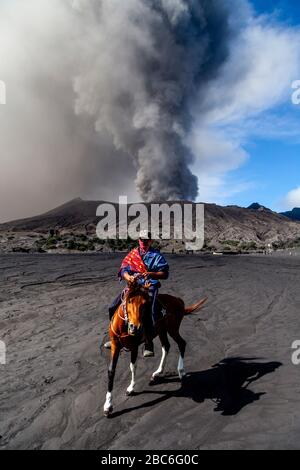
(221,189)
(292,199)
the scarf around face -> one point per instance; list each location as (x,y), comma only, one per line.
(134,262)
(144,246)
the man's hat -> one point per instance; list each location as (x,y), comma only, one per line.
(145,235)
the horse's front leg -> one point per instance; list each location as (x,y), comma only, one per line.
(115,351)
(134,355)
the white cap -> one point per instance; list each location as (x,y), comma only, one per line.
(145,234)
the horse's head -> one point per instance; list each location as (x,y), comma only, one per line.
(135,303)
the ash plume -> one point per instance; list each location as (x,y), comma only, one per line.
(150,61)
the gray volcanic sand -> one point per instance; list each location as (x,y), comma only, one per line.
(242,390)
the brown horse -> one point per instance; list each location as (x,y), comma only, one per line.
(126,331)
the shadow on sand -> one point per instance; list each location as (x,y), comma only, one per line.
(226,383)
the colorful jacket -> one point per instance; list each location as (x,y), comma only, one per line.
(151,261)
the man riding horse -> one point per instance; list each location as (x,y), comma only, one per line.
(144,266)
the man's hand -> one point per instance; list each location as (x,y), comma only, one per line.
(159,275)
(131,280)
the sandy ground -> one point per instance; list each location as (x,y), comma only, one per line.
(242,390)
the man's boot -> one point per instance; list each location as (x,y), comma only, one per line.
(149,348)
(149,334)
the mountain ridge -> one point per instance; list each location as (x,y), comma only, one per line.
(294,214)
(225,226)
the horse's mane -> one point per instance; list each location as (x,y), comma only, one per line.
(135,291)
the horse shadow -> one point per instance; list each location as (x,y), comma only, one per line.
(226,384)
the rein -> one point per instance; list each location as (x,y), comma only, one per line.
(124,304)
(125,318)
(124,335)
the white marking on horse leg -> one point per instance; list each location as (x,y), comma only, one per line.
(181,371)
(162,363)
(108,403)
(132,383)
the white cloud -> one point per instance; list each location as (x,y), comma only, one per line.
(214,152)
(215,157)
(243,101)
(264,62)
(221,189)
(292,199)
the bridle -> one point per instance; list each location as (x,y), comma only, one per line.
(124,297)
(124,304)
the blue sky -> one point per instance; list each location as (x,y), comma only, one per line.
(272,169)
(287,10)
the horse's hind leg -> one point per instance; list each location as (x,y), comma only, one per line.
(134,355)
(163,336)
(181,345)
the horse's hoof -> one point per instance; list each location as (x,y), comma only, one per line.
(130,393)
(155,380)
(182,376)
(108,412)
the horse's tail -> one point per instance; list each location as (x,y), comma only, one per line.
(195,307)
